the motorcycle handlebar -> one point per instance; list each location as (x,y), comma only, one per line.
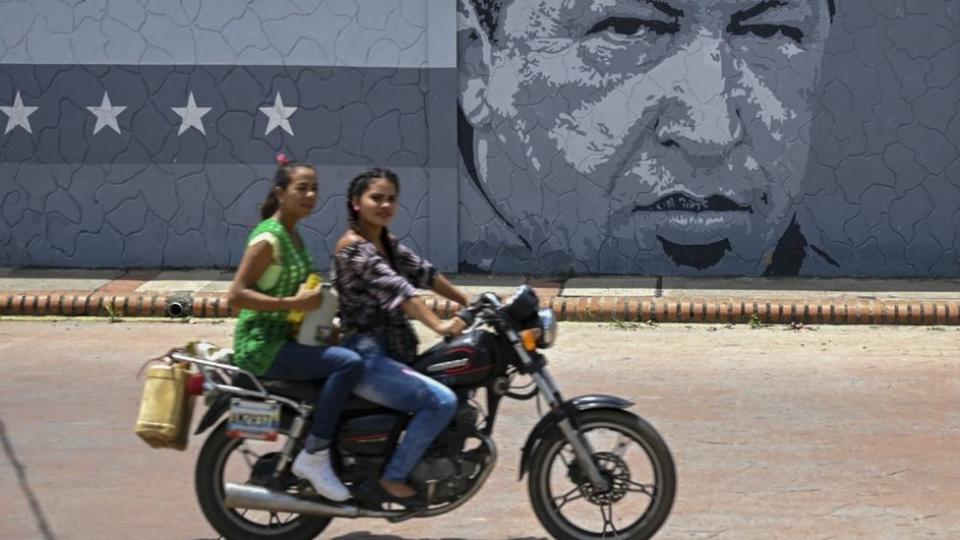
(484,302)
(490,298)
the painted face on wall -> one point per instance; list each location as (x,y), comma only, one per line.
(644,134)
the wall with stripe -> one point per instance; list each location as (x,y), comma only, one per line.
(142,133)
(351,84)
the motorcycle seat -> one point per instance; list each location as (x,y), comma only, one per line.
(303,391)
(299,391)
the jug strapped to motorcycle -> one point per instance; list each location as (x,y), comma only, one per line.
(166,407)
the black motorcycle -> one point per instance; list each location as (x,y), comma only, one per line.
(595,470)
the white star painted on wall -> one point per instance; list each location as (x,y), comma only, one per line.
(18,115)
(191,115)
(278,115)
(106,115)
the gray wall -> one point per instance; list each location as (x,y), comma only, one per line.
(833,154)
(836,154)
(372,83)
(882,191)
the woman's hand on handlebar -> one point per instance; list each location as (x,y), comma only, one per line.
(415,308)
(451,327)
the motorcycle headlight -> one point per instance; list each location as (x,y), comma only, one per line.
(543,333)
(548,328)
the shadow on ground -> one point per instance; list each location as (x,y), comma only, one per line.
(38,515)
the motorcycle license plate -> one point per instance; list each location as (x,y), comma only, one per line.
(254,419)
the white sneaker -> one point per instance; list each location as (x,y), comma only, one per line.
(316,468)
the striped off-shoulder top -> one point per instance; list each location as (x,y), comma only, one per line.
(372,288)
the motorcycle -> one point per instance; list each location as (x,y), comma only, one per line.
(594,469)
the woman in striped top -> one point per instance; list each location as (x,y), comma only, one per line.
(377,280)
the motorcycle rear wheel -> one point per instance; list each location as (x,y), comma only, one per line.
(556,481)
(233,524)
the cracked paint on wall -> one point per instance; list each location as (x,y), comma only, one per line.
(385,33)
(604,136)
(710,137)
(144,133)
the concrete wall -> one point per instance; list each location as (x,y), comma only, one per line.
(812,138)
(361,83)
(527,137)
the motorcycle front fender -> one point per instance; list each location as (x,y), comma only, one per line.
(548,424)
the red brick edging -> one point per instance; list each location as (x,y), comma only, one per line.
(101,305)
(598,309)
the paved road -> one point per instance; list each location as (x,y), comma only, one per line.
(833,432)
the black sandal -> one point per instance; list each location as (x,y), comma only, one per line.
(413,502)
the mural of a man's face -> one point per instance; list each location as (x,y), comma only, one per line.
(643,134)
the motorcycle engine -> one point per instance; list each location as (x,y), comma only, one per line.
(450,441)
(449,477)
(447,468)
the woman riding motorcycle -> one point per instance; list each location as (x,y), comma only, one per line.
(377,279)
(265,287)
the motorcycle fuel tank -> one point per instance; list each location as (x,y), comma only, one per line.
(466,360)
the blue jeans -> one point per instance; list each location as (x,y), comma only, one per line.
(339,370)
(392,384)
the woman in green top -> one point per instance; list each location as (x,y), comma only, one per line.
(266,287)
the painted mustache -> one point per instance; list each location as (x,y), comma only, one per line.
(680,202)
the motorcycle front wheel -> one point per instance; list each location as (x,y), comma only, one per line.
(634,460)
(224,459)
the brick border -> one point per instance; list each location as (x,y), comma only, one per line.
(594,309)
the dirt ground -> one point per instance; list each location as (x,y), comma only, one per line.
(823,432)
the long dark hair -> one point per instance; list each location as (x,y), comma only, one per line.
(281,179)
(358,186)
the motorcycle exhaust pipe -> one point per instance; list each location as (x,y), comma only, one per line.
(261,498)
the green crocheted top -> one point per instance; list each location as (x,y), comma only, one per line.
(260,334)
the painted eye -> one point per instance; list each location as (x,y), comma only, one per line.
(767,31)
(631,26)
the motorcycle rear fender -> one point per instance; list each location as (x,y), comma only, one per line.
(549,423)
(216,409)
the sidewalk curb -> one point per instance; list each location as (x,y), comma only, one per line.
(593,309)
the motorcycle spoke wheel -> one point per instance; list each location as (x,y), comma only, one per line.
(592,511)
(224,460)
(633,460)
(606,512)
(249,455)
(567,497)
(239,460)
(637,487)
